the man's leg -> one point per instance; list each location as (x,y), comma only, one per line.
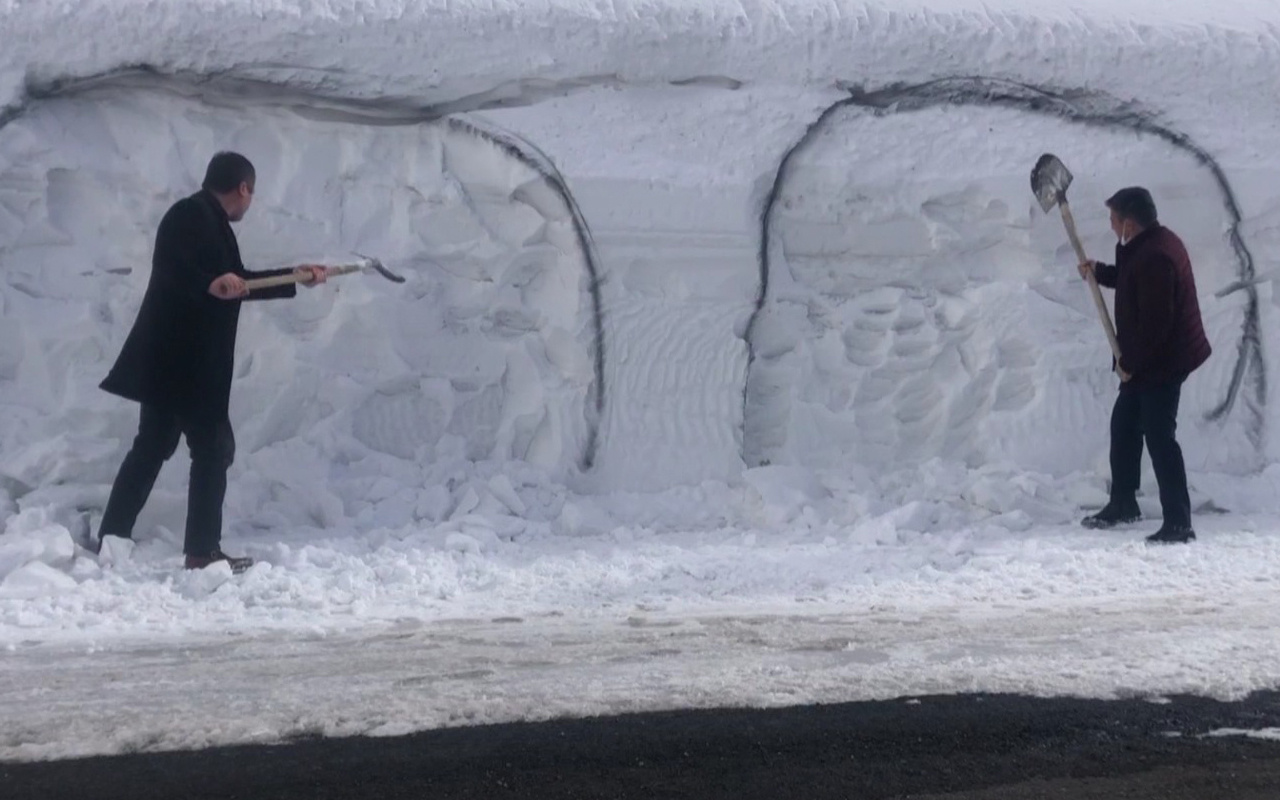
(1159,426)
(213,448)
(1126,463)
(1126,447)
(157,439)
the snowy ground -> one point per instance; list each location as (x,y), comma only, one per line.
(1200,622)
(398,630)
(860,480)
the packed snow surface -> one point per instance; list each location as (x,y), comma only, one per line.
(735,361)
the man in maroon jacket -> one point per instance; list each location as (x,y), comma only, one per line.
(1162,341)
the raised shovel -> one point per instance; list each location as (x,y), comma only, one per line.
(365,264)
(1049,181)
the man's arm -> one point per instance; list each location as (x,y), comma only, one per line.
(184,257)
(270,292)
(1106,274)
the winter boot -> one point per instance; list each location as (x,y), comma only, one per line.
(1112,514)
(1172,534)
(238,565)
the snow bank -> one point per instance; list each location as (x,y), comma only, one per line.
(403,48)
(684,327)
(491,350)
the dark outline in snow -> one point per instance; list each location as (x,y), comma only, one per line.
(1089,108)
(534,157)
(312,103)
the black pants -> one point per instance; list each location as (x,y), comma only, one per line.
(1150,413)
(212,447)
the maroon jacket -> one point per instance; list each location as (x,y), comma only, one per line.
(1158,320)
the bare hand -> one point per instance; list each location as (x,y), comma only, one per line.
(1124,376)
(1086,269)
(228,286)
(311,274)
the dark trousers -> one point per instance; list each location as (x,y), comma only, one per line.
(212,447)
(1150,413)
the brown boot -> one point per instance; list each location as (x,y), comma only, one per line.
(238,565)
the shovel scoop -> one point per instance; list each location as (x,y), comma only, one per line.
(1050,180)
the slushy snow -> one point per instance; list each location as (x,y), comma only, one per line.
(701,390)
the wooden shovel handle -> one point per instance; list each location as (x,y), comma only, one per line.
(293,277)
(1070,222)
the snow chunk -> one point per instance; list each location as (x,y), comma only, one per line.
(196,583)
(35,579)
(786,491)
(115,550)
(502,489)
(32,536)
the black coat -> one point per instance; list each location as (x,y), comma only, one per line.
(1158,324)
(180,354)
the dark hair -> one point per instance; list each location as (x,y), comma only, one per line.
(227,171)
(1134,203)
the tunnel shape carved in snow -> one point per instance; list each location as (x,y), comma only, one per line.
(905,312)
(490,350)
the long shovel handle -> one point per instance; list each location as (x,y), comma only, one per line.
(1070,223)
(293,277)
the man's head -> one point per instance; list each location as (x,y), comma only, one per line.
(231,177)
(1132,212)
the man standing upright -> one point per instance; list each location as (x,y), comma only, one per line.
(1162,341)
(178,359)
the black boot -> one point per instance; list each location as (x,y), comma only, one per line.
(237,564)
(1172,534)
(1112,514)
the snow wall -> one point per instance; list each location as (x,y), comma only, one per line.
(645,247)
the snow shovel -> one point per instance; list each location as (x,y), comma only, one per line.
(1049,181)
(365,264)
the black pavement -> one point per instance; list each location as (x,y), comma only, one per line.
(977,747)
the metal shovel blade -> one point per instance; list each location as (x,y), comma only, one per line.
(376,265)
(1049,181)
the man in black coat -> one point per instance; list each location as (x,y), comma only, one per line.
(179,357)
(1162,341)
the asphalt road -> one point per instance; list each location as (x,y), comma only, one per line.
(972,746)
